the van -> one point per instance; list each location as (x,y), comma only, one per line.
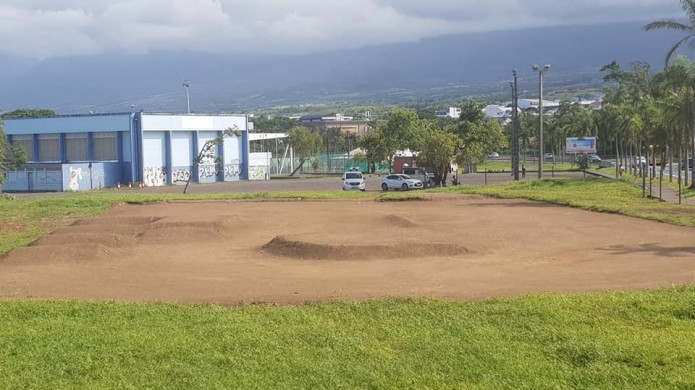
(425,177)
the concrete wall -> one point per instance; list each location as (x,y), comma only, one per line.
(81,177)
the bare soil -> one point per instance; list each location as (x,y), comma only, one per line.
(297,251)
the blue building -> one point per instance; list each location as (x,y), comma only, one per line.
(82,152)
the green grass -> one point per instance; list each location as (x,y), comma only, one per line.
(615,340)
(548,166)
(594,194)
(633,340)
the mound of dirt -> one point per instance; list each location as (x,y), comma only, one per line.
(399,221)
(57,254)
(187,231)
(118,221)
(68,238)
(284,247)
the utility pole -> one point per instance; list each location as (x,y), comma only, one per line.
(186,84)
(541,155)
(515,128)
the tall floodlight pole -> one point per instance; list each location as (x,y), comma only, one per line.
(186,84)
(541,156)
(515,129)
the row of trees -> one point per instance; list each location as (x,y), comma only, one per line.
(438,142)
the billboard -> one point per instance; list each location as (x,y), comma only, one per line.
(580,145)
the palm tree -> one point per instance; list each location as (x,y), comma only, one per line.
(672,24)
(689,29)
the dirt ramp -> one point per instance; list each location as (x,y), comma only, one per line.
(185,232)
(133,221)
(72,239)
(297,249)
(58,254)
(399,221)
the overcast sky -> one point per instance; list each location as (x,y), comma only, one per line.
(48,28)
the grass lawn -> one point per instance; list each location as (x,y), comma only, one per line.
(548,166)
(594,194)
(620,340)
(605,341)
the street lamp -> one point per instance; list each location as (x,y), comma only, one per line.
(515,127)
(540,71)
(186,84)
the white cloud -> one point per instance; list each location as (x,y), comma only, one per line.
(49,28)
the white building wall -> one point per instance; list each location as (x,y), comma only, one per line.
(154,158)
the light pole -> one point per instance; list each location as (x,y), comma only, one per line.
(186,84)
(515,128)
(540,71)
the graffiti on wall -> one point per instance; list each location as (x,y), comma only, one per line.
(180,175)
(207,171)
(232,171)
(97,176)
(154,176)
(258,172)
(75,177)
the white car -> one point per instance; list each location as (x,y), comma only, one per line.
(549,156)
(400,182)
(353,181)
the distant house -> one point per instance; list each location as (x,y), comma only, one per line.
(346,124)
(532,105)
(498,113)
(325,118)
(451,112)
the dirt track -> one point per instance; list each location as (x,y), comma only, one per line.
(290,251)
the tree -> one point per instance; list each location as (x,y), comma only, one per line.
(11,156)
(208,153)
(438,149)
(376,150)
(479,139)
(306,145)
(29,113)
(472,112)
(275,124)
(672,24)
(688,28)
(477,136)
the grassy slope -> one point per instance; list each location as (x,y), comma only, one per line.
(612,340)
(611,196)
(493,165)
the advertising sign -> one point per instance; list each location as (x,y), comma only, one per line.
(581,145)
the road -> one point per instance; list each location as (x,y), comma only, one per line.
(313,184)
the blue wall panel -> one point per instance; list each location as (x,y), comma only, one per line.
(81,177)
(69,124)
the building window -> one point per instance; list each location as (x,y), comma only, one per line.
(49,147)
(76,147)
(27,141)
(105,146)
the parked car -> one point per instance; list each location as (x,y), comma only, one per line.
(493,155)
(639,161)
(427,178)
(353,181)
(400,182)
(548,156)
(594,158)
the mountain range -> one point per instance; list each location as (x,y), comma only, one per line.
(449,67)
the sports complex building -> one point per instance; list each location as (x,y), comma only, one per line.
(82,152)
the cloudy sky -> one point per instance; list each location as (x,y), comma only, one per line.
(41,29)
